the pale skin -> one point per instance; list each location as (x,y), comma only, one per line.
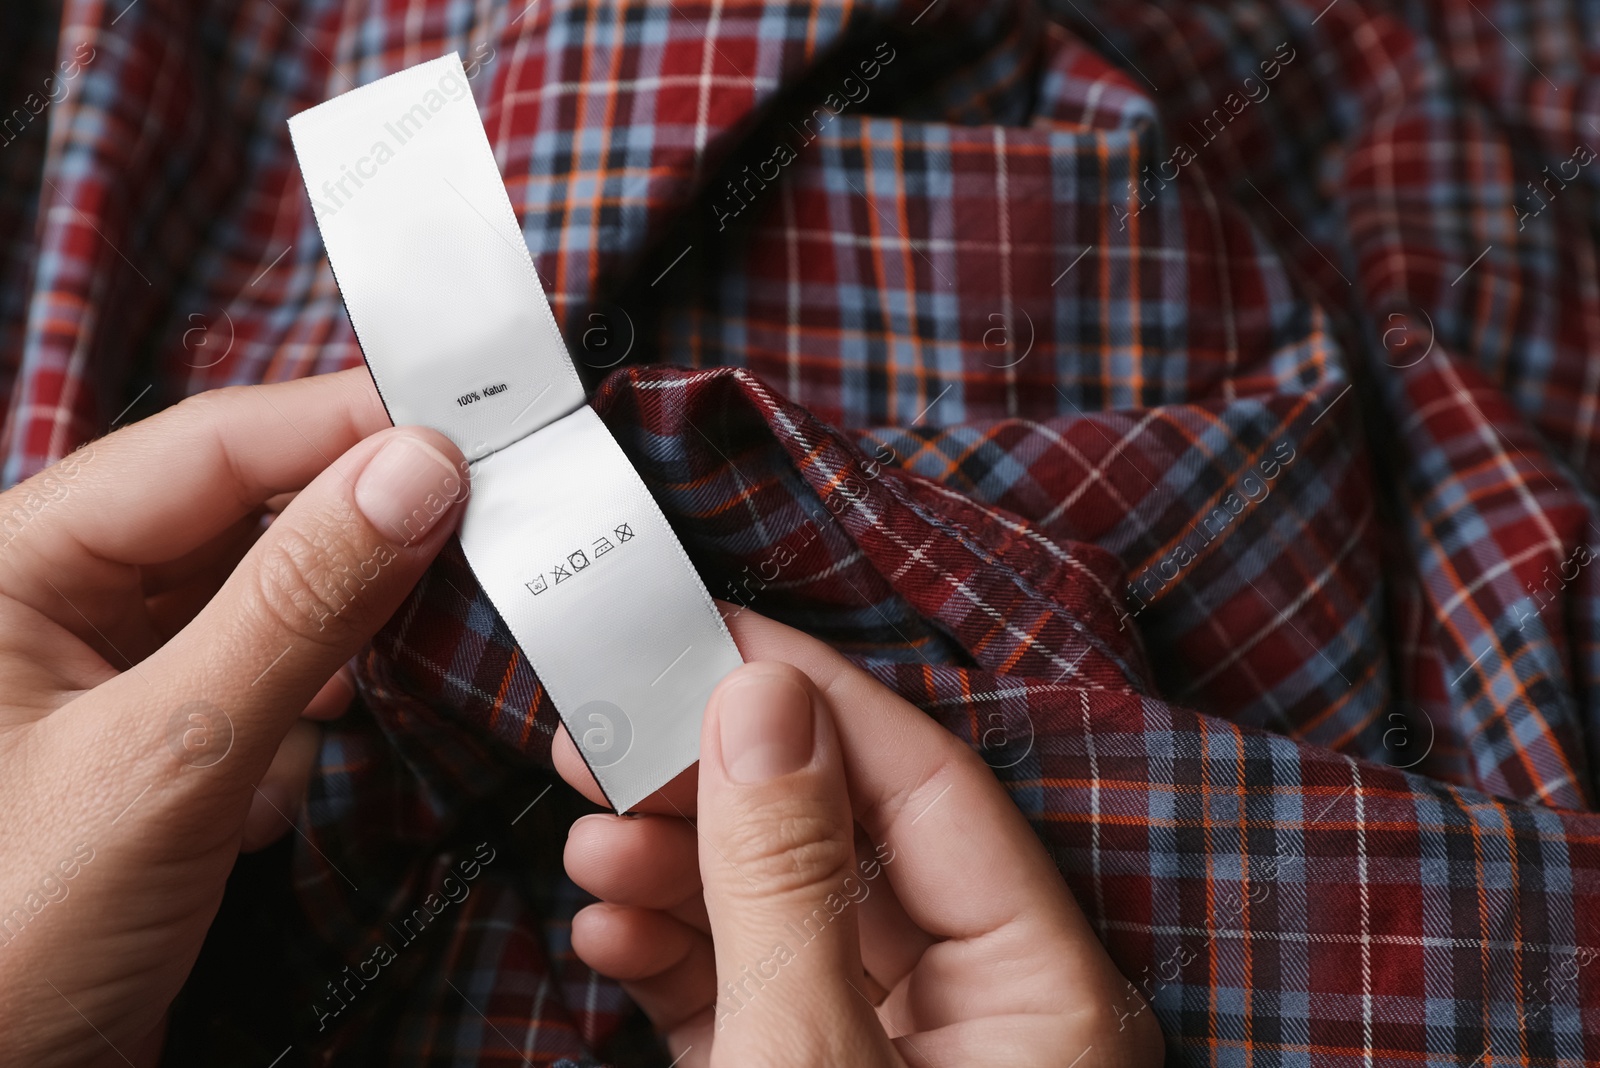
(940,934)
(139,583)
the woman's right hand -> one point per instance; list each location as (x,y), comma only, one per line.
(842,883)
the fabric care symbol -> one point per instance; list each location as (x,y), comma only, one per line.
(579,559)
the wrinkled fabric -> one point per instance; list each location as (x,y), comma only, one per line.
(1191,407)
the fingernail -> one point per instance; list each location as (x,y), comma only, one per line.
(767,727)
(407,488)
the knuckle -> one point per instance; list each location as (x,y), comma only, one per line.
(950,763)
(784,846)
(300,586)
(201,406)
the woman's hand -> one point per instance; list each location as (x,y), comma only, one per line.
(856,890)
(157,652)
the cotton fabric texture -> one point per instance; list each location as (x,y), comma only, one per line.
(1192,407)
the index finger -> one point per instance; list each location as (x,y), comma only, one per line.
(163,486)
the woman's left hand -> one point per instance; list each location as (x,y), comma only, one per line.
(159,652)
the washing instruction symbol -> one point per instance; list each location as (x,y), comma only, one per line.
(604,731)
(578,560)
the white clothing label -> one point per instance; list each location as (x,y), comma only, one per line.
(559,529)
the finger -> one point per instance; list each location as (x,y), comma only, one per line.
(665,967)
(642,861)
(635,943)
(155,490)
(175,593)
(676,798)
(333,700)
(777,861)
(213,559)
(1015,1039)
(44,665)
(317,585)
(570,766)
(645,861)
(891,944)
(276,803)
(961,859)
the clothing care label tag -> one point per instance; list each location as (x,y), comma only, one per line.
(559,528)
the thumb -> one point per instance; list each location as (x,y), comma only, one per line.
(777,862)
(321,579)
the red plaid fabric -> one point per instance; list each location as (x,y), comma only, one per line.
(1191,407)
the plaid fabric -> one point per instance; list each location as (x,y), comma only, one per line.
(1188,406)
